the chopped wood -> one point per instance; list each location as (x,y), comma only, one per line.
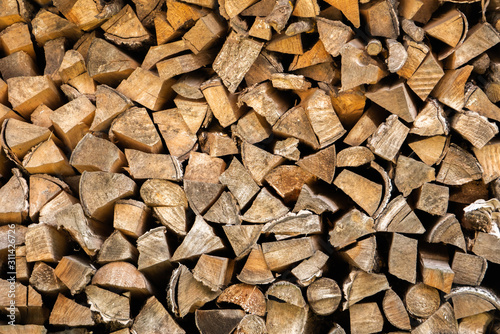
(442,320)
(355,60)
(122,276)
(403,257)
(265,208)
(75,273)
(422,300)
(249,297)
(111,308)
(366,318)
(361,254)
(130,217)
(365,126)
(45,243)
(411,174)
(240,182)
(469,269)
(473,127)
(117,248)
(381,18)
(448,27)
(411,29)
(397,55)
(430,150)
(450,89)
(360,285)
(416,54)
(436,271)
(213,271)
(350,227)
(256,269)
(324,296)
(154,253)
(200,239)
(458,167)
(395,311)
(388,138)
(288,180)
(218,321)
(433,199)
(398,217)
(349,182)
(177,135)
(447,230)
(354,156)
(154,316)
(67,312)
(144,165)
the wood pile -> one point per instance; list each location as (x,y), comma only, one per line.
(249,167)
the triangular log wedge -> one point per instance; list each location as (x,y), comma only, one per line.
(134,129)
(14,199)
(256,269)
(398,217)
(321,164)
(242,237)
(201,239)
(122,276)
(350,183)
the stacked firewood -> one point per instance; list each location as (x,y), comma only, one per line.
(246,167)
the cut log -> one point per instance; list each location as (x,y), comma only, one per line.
(450,90)
(487,245)
(265,208)
(157,166)
(447,28)
(218,321)
(75,272)
(397,55)
(366,318)
(473,127)
(47,26)
(398,217)
(381,17)
(458,167)
(360,285)
(358,67)
(235,59)
(349,182)
(153,317)
(436,271)
(124,28)
(350,227)
(45,243)
(365,126)
(213,271)
(477,100)
(416,54)
(256,270)
(447,230)
(97,154)
(154,253)
(122,276)
(443,320)
(430,150)
(422,300)
(185,294)
(334,35)
(426,77)
(201,239)
(431,120)
(67,312)
(158,192)
(469,269)
(247,296)
(44,280)
(266,101)
(403,257)
(388,138)
(468,301)
(411,174)
(117,248)
(130,217)
(395,311)
(177,135)
(109,307)
(396,99)
(27,93)
(324,296)
(308,270)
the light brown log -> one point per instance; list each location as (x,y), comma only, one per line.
(27,93)
(447,230)
(157,166)
(448,27)
(253,128)
(217,144)
(458,167)
(480,38)
(235,59)
(473,127)
(44,279)
(381,18)
(107,64)
(122,276)
(266,64)
(175,132)
(249,297)
(420,11)
(316,55)
(185,294)
(218,321)
(365,126)
(97,154)
(265,207)
(258,162)
(130,217)
(425,78)
(436,271)
(158,192)
(349,182)
(358,67)
(67,312)
(75,272)
(388,138)
(415,32)
(360,285)
(362,254)
(200,239)
(430,150)
(125,28)
(18,64)
(60,202)
(350,227)
(100,190)
(403,257)
(251,324)
(395,98)
(411,174)
(395,311)
(109,307)
(117,248)
(89,234)
(324,296)
(398,217)
(469,301)
(354,157)
(487,245)
(397,55)
(266,101)
(242,237)
(469,269)
(202,195)
(154,253)
(450,89)
(47,26)
(477,100)
(134,129)
(431,120)
(256,269)
(86,19)
(45,243)
(416,54)
(366,318)
(442,320)
(224,211)
(422,300)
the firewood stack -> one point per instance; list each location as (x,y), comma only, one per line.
(246,167)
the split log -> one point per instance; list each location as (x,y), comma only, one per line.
(349,182)
(122,276)
(247,296)
(395,311)
(422,300)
